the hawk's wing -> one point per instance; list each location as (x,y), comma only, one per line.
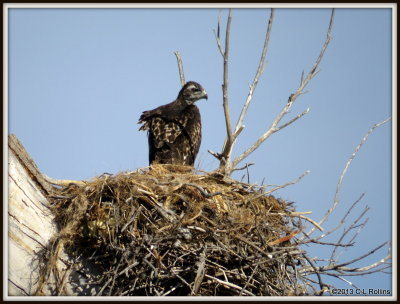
(164,132)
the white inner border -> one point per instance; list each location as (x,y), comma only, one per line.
(7,6)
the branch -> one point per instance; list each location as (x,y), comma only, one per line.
(287,184)
(344,270)
(346,231)
(231,138)
(229,135)
(292,98)
(260,70)
(341,222)
(293,119)
(217,35)
(348,163)
(62,182)
(230,285)
(180,67)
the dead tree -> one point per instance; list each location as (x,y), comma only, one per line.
(227,165)
(37,261)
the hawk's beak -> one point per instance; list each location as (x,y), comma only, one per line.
(204,95)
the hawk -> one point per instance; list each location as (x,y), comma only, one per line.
(174,129)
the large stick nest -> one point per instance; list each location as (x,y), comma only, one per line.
(165,230)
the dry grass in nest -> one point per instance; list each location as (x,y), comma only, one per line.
(165,230)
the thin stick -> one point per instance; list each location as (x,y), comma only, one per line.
(180,67)
(292,98)
(229,142)
(289,183)
(62,182)
(348,163)
(216,34)
(200,272)
(260,70)
(231,285)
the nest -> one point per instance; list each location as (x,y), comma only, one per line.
(167,230)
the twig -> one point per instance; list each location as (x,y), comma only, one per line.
(289,183)
(352,226)
(136,214)
(248,281)
(231,285)
(246,166)
(342,221)
(231,138)
(202,191)
(304,218)
(200,272)
(62,182)
(321,284)
(180,67)
(293,120)
(342,266)
(274,126)
(361,256)
(216,34)
(348,163)
(260,70)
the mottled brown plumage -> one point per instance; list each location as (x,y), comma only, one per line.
(174,129)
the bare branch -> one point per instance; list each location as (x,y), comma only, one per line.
(292,98)
(293,119)
(219,43)
(246,166)
(202,191)
(230,285)
(352,226)
(62,182)
(260,70)
(348,163)
(200,272)
(289,183)
(229,136)
(343,267)
(361,256)
(342,221)
(215,154)
(321,283)
(217,34)
(180,67)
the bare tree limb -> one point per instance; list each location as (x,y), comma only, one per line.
(342,221)
(225,155)
(293,119)
(260,70)
(180,67)
(352,226)
(289,183)
(292,98)
(229,135)
(348,163)
(216,34)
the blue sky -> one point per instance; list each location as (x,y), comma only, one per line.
(80,78)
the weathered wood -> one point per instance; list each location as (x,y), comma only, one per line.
(28,164)
(29,220)
(31,227)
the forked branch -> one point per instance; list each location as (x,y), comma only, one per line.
(227,166)
(336,200)
(292,98)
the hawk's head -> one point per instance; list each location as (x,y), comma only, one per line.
(192,92)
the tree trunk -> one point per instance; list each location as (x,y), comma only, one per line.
(31,227)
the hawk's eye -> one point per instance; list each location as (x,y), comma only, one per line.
(195,89)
